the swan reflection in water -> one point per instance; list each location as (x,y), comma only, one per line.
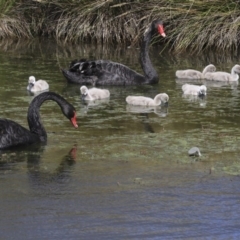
(189,81)
(209,83)
(11,158)
(144,111)
(38,176)
(193,98)
(218,84)
(160,111)
(94,104)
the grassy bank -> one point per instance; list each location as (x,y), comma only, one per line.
(190,25)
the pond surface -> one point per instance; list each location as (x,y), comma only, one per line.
(125,172)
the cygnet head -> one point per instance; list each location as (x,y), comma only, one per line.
(84,90)
(203,90)
(32,79)
(211,68)
(164,98)
(31,82)
(236,68)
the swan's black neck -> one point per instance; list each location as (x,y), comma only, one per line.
(34,120)
(150,73)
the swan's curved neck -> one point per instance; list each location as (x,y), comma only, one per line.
(205,70)
(157,100)
(234,74)
(150,73)
(34,120)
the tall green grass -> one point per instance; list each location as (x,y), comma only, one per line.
(190,25)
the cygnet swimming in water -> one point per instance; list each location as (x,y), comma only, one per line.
(94,93)
(159,99)
(224,76)
(37,86)
(194,74)
(194,89)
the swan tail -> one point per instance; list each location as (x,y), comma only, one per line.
(104,72)
(73,77)
(75,64)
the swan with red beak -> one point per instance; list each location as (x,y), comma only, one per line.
(106,72)
(13,134)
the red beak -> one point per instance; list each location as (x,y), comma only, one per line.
(161,30)
(74,120)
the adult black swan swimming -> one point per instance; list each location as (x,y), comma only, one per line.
(13,134)
(105,72)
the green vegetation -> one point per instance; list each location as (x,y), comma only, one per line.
(192,25)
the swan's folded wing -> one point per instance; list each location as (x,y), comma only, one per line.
(76,77)
(118,73)
(189,74)
(218,76)
(190,89)
(13,134)
(104,72)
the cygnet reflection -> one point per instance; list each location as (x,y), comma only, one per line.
(160,111)
(94,104)
(218,84)
(193,98)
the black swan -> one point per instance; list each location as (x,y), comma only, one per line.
(13,134)
(105,72)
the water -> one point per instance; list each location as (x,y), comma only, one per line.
(122,174)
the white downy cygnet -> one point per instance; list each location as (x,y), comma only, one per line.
(194,74)
(159,99)
(94,93)
(194,89)
(224,76)
(37,86)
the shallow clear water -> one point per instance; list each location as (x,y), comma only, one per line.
(128,175)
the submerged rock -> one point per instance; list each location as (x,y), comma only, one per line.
(194,151)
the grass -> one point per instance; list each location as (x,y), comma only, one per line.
(12,22)
(191,25)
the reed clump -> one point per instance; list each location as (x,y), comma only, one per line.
(12,21)
(191,25)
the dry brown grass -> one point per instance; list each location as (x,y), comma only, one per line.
(12,22)
(190,25)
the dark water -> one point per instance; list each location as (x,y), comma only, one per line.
(122,174)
